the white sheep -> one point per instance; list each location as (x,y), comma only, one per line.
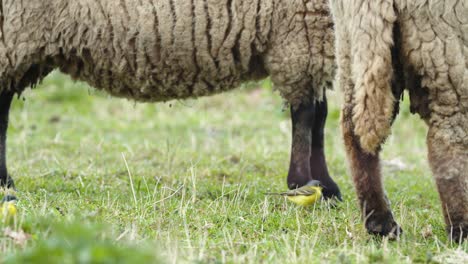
(158,50)
(383,47)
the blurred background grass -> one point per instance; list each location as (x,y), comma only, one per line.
(102,180)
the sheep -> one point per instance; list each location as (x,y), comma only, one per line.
(159,50)
(382,48)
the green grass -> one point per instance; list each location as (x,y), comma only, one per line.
(102,179)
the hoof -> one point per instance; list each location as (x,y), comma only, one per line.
(458,234)
(383,224)
(8,183)
(332,193)
(11,183)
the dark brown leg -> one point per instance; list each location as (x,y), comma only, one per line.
(299,168)
(365,170)
(318,164)
(5,102)
(449,163)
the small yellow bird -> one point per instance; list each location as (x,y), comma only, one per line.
(8,207)
(305,195)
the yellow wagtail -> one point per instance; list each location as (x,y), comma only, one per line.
(305,195)
(8,207)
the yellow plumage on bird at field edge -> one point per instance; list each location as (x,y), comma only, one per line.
(305,195)
(8,207)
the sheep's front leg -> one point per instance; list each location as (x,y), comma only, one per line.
(365,170)
(318,164)
(449,163)
(302,118)
(5,102)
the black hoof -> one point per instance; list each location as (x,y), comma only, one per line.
(11,183)
(332,193)
(458,234)
(383,224)
(8,182)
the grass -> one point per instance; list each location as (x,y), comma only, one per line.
(107,180)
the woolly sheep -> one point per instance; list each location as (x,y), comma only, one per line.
(382,47)
(158,50)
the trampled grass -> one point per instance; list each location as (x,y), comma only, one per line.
(107,180)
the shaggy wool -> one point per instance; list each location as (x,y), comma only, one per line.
(158,50)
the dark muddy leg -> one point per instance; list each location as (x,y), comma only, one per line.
(365,169)
(5,102)
(318,164)
(299,168)
(449,163)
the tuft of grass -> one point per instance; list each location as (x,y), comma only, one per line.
(103,179)
(75,242)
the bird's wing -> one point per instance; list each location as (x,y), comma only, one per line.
(300,191)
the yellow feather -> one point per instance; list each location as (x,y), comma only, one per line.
(7,209)
(305,197)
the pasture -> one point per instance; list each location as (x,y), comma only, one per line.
(105,180)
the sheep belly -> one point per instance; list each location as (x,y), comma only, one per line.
(162,50)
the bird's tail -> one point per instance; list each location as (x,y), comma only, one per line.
(271,193)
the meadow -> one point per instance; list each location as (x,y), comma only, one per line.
(106,180)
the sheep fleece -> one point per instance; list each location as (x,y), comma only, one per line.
(157,50)
(434,44)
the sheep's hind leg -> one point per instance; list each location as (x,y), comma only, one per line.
(318,164)
(5,102)
(302,118)
(365,170)
(449,163)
